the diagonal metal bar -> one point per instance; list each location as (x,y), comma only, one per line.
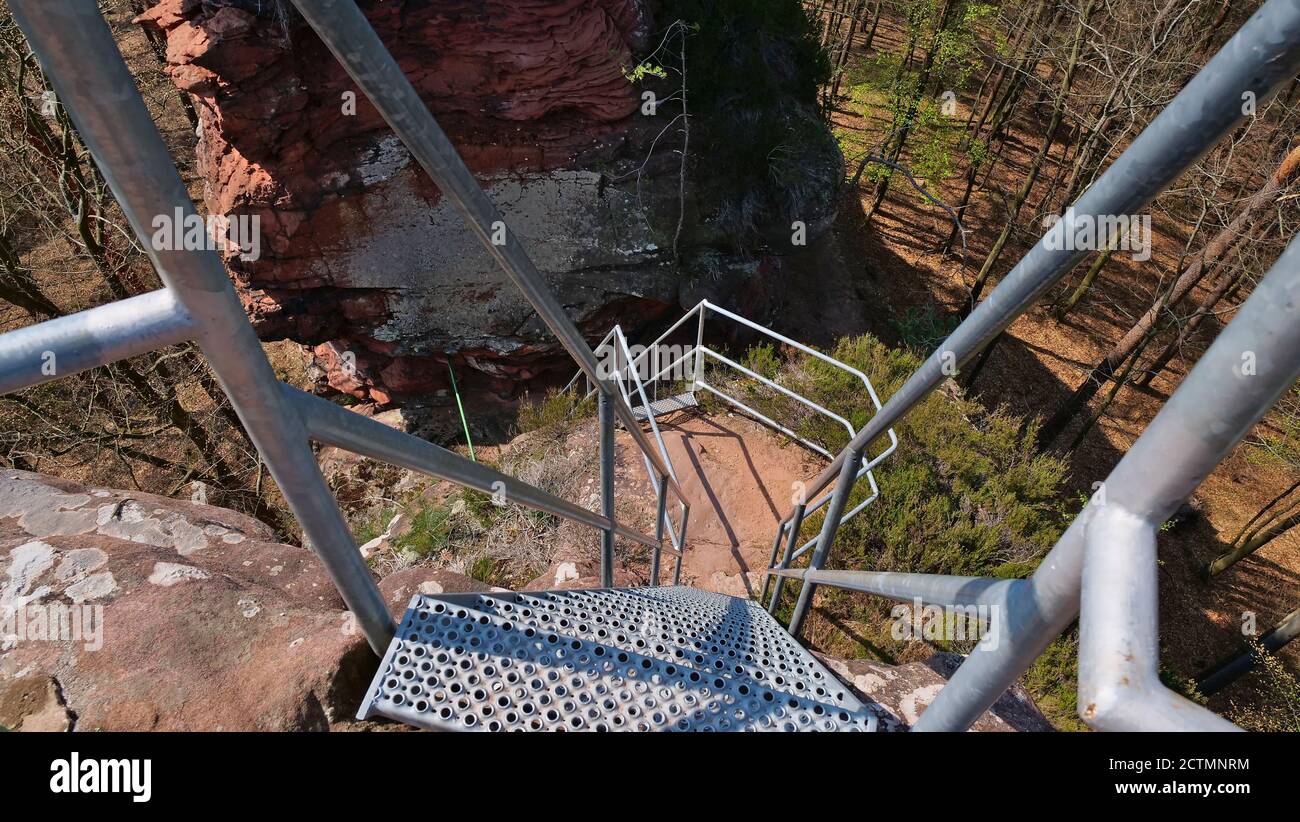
(334,425)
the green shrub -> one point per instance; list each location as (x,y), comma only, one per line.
(431,530)
(555,408)
(923,330)
(965,493)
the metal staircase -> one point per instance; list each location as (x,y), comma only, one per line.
(635,659)
(676,658)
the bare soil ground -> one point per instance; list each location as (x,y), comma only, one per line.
(739,478)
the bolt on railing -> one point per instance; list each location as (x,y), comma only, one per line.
(1262,56)
(76,50)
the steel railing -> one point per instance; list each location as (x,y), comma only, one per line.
(689,367)
(76,50)
(629,383)
(1104,566)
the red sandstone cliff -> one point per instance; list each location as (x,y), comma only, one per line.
(360,257)
(523,89)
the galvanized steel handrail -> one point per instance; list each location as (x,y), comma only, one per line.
(699,352)
(663,520)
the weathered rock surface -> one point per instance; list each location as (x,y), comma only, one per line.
(361,257)
(176,616)
(903,692)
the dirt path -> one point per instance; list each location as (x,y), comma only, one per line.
(738,477)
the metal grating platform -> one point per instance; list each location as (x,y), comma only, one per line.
(666,406)
(617,659)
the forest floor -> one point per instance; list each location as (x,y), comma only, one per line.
(896,266)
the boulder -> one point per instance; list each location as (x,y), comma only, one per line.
(399,586)
(135,612)
(903,692)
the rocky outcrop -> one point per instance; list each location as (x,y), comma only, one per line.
(360,256)
(903,692)
(365,262)
(136,612)
(128,611)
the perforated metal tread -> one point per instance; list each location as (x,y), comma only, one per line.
(666,406)
(713,633)
(616,659)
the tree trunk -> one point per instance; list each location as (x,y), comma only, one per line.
(1076,49)
(1084,284)
(922,82)
(1229,558)
(1230,670)
(843,58)
(1105,370)
(1205,309)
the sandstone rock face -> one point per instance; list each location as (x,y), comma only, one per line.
(141,613)
(362,258)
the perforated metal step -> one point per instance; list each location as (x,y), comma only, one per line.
(666,406)
(610,659)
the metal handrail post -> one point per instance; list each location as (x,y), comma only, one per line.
(660,515)
(697,373)
(771,560)
(606,490)
(795,524)
(834,512)
(677,569)
(77,51)
(654,360)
